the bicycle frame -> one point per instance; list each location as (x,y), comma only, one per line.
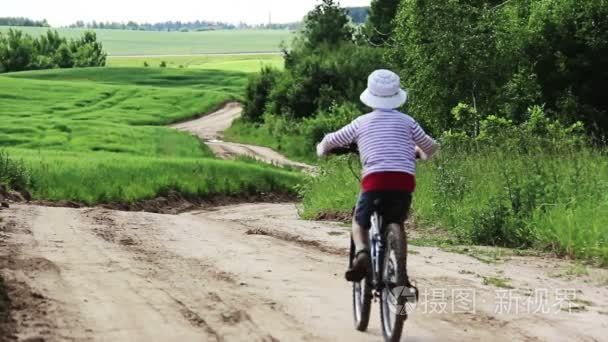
(376,249)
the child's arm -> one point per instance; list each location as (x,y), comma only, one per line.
(343,137)
(424,142)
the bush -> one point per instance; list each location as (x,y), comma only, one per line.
(495,225)
(314,129)
(146,64)
(257,93)
(19,51)
(163,64)
(316,80)
(87,51)
(13,173)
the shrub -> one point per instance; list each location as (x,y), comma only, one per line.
(316,80)
(163,64)
(19,51)
(257,93)
(314,129)
(13,173)
(146,64)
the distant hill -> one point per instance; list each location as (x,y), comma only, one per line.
(358,14)
(13,21)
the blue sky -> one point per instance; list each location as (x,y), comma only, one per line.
(64,12)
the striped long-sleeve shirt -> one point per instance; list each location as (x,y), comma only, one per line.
(387,141)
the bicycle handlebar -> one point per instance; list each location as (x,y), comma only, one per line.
(353,148)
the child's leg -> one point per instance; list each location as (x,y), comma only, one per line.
(360,236)
(360,223)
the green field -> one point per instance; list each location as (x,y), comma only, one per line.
(96,134)
(239,62)
(135,43)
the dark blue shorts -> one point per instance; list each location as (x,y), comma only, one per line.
(393,206)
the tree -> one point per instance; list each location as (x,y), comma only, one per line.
(449,52)
(326,24)
(568,45)
(87,51)
(16,50)
(380,26)
(63,56)
(257,93)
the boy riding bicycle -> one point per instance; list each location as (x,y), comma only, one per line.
(388,143)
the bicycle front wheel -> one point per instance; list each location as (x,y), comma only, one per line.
(395,292)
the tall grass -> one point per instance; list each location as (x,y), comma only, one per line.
(14,174)
(551,201)
(293,145)
(110,177)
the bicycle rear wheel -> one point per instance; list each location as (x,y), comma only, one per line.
(362,297)
(395,293)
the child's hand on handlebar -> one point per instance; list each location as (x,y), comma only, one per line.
(320,151)
(420,154)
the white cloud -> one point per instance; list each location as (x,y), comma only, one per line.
(64,12)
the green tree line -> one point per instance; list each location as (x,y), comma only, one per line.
(20,51)
(162,26)
(184,26)
(19,21)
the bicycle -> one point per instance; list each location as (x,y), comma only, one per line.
(388,281)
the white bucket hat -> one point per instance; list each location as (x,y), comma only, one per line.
(384,91)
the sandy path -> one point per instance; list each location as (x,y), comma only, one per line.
(253,272)
(209,129)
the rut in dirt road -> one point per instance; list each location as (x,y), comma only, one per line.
(251,272)
(210,128)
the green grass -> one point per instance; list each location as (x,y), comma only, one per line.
(103,177)
(240,63)
(499,282)
(162,79)
(90,116)
(97,135)
(135,43)
(292,146)
(462,193)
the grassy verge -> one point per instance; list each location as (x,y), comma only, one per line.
(551,202)
(101,177)
(294,147)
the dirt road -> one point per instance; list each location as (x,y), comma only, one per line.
(209,129)
(255,272)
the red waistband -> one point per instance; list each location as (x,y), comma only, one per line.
(395,181)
